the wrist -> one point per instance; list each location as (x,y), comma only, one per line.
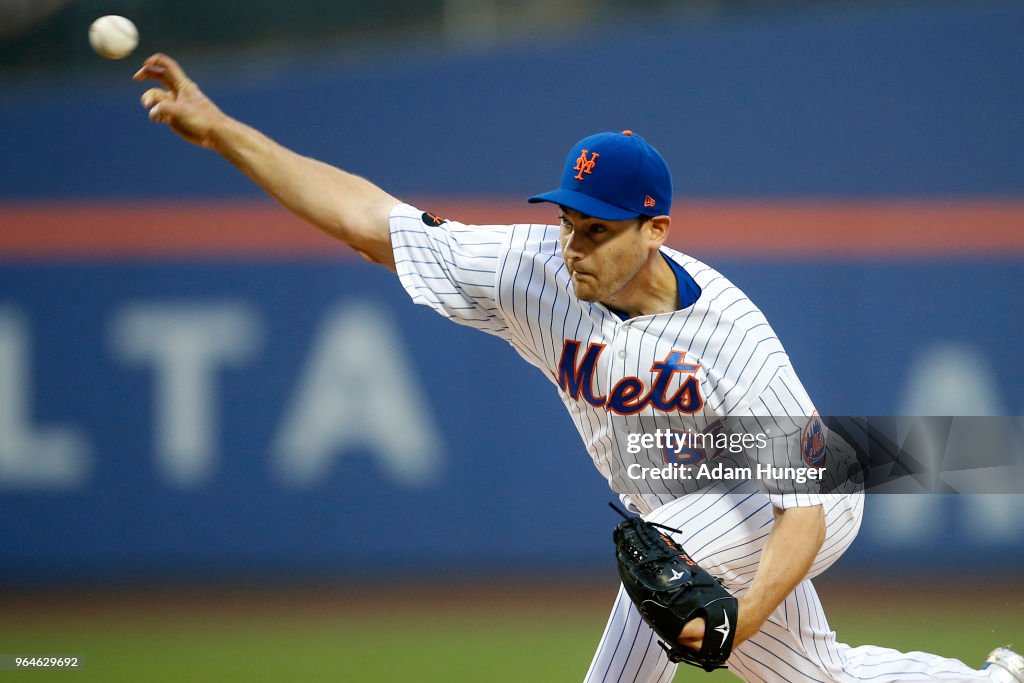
(750,614)
(223,134)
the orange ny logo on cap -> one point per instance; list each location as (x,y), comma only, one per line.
(585,165)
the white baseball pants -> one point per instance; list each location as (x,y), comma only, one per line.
(725,533)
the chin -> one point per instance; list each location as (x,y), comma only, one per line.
(585,293)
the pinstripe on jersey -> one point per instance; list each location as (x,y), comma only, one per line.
(510,281)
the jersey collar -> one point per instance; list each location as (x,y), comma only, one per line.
(689,290)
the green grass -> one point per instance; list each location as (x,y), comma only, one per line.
(450,647)
(370,650)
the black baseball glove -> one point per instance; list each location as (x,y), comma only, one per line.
(669,589)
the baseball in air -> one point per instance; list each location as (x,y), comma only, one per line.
(113,36)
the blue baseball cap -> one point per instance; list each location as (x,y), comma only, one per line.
(614,176)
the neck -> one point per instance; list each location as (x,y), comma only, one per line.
(652,290)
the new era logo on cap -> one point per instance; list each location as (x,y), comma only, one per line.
(614,176)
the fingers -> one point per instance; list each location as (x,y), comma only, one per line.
(154,96)
(179,104)
(692,635)
(162,68)
(153,100)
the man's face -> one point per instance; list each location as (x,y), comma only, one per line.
(602,256)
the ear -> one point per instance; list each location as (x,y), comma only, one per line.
(659,227)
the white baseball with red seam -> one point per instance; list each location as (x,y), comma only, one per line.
(113,36)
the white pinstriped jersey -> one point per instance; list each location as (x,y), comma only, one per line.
(715,360)
(716,365)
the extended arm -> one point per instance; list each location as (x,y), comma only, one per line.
(341,204)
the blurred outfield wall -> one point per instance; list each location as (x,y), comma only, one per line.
(193,384)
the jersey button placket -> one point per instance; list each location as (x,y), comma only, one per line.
(619,341)
(619,344)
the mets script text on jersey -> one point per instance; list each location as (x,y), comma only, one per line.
(627,397)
